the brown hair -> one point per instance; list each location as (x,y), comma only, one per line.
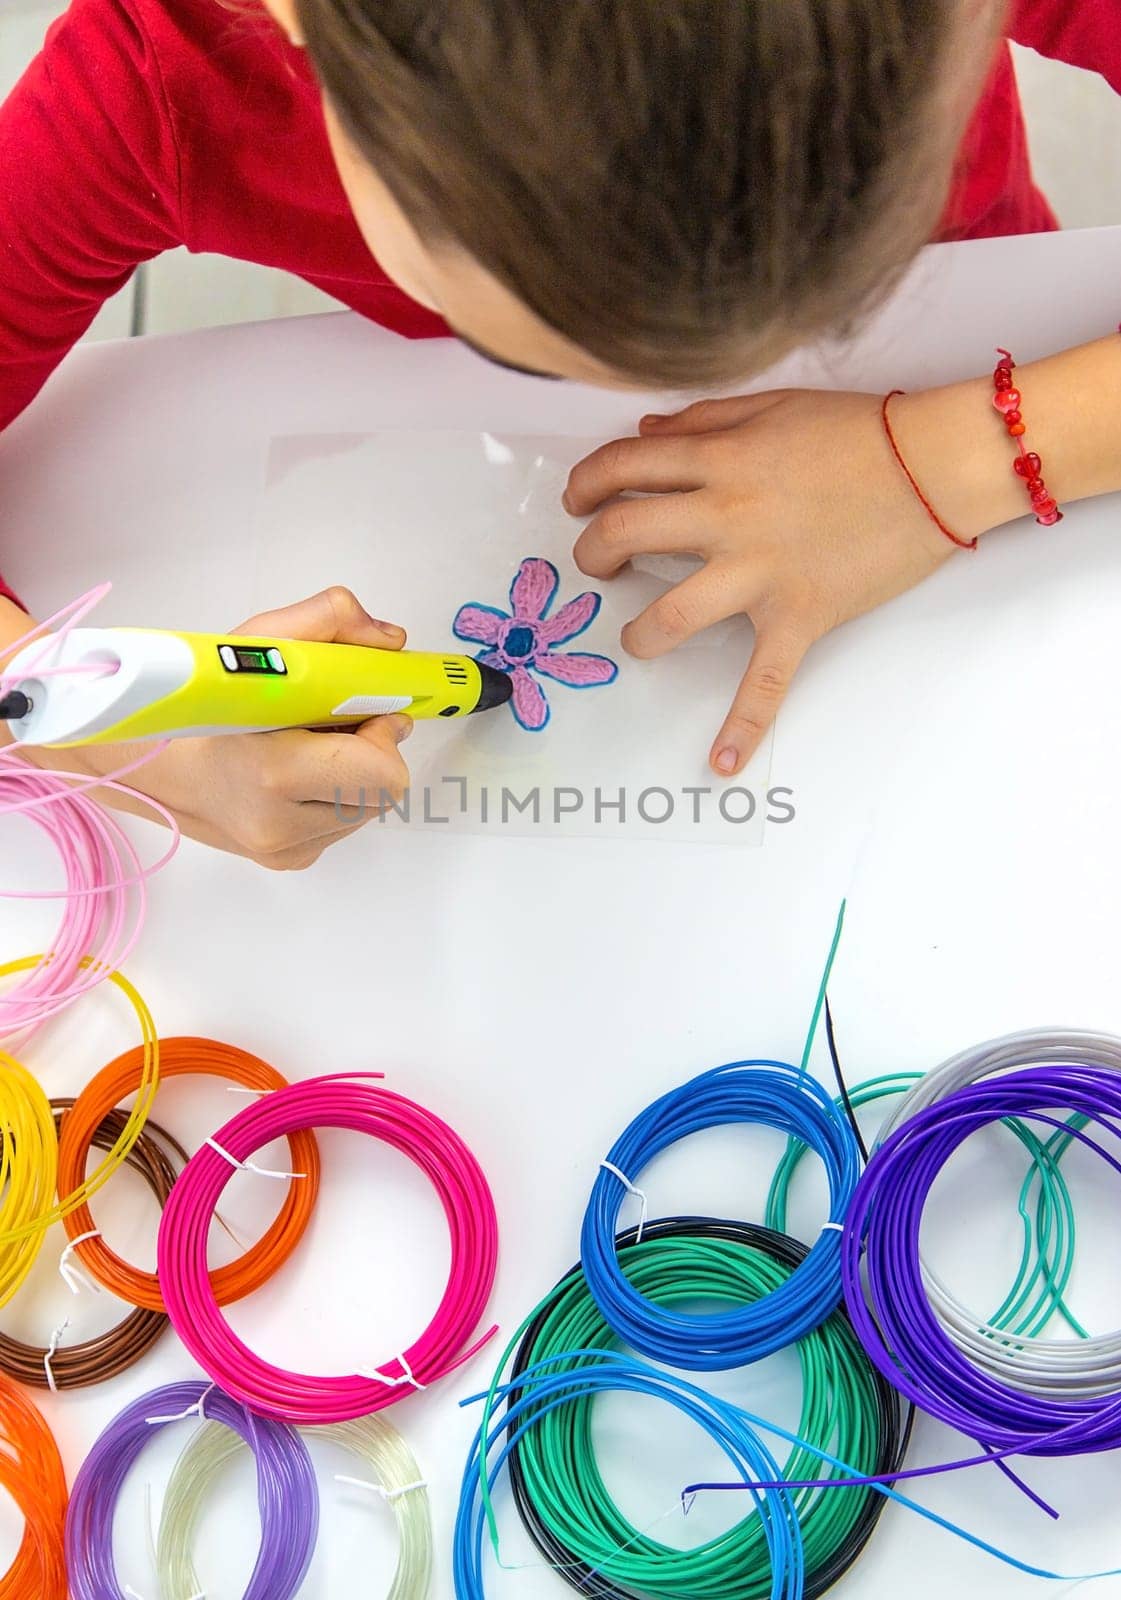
(682,188)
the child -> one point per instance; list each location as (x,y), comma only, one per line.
(624,192)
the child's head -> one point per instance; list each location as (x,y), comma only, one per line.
(667,192)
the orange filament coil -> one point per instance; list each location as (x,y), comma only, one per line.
(184,1057)
(32,1473)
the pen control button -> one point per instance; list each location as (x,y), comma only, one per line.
(372,705)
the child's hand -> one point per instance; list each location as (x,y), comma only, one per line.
(278,798)
(801,514)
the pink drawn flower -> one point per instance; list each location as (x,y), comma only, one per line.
(524,640)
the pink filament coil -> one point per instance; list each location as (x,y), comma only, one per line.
(105,893)
(330,1102)
(104,900)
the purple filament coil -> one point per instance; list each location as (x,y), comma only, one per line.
(1026,1396)
(287,1493)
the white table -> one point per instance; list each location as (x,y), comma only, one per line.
(954,764)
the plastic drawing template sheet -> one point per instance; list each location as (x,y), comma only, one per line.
(431,527)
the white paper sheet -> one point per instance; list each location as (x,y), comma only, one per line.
(419,524)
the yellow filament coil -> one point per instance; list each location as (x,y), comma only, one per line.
(29,1146)
(28,1171)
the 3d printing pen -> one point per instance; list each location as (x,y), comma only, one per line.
(107,685)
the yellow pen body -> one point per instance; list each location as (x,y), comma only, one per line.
(137,683)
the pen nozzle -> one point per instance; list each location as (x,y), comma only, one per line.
(497,688)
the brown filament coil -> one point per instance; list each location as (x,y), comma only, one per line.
(97,1360)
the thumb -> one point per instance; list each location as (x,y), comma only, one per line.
(333,616)
(386,733)
(710,416)
(774,661)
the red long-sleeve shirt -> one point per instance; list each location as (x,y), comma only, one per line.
(146,124)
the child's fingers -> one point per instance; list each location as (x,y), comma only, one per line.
(281,835)
(289,857)
(347,769)
(310,788)
(626,528)
(774,661)
(698,601)
(645,466)
(300,857)
(710,416)
(333,616)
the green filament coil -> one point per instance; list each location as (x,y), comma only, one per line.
(847,1409)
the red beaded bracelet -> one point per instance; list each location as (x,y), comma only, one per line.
(954,538)
(1027,465)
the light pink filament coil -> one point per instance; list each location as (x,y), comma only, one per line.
(105,893)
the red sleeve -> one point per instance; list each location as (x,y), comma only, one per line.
(1084,33)
(89,187)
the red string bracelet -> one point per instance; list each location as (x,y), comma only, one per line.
(962,544)
(1027,465)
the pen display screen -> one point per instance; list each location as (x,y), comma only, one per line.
(252,658)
